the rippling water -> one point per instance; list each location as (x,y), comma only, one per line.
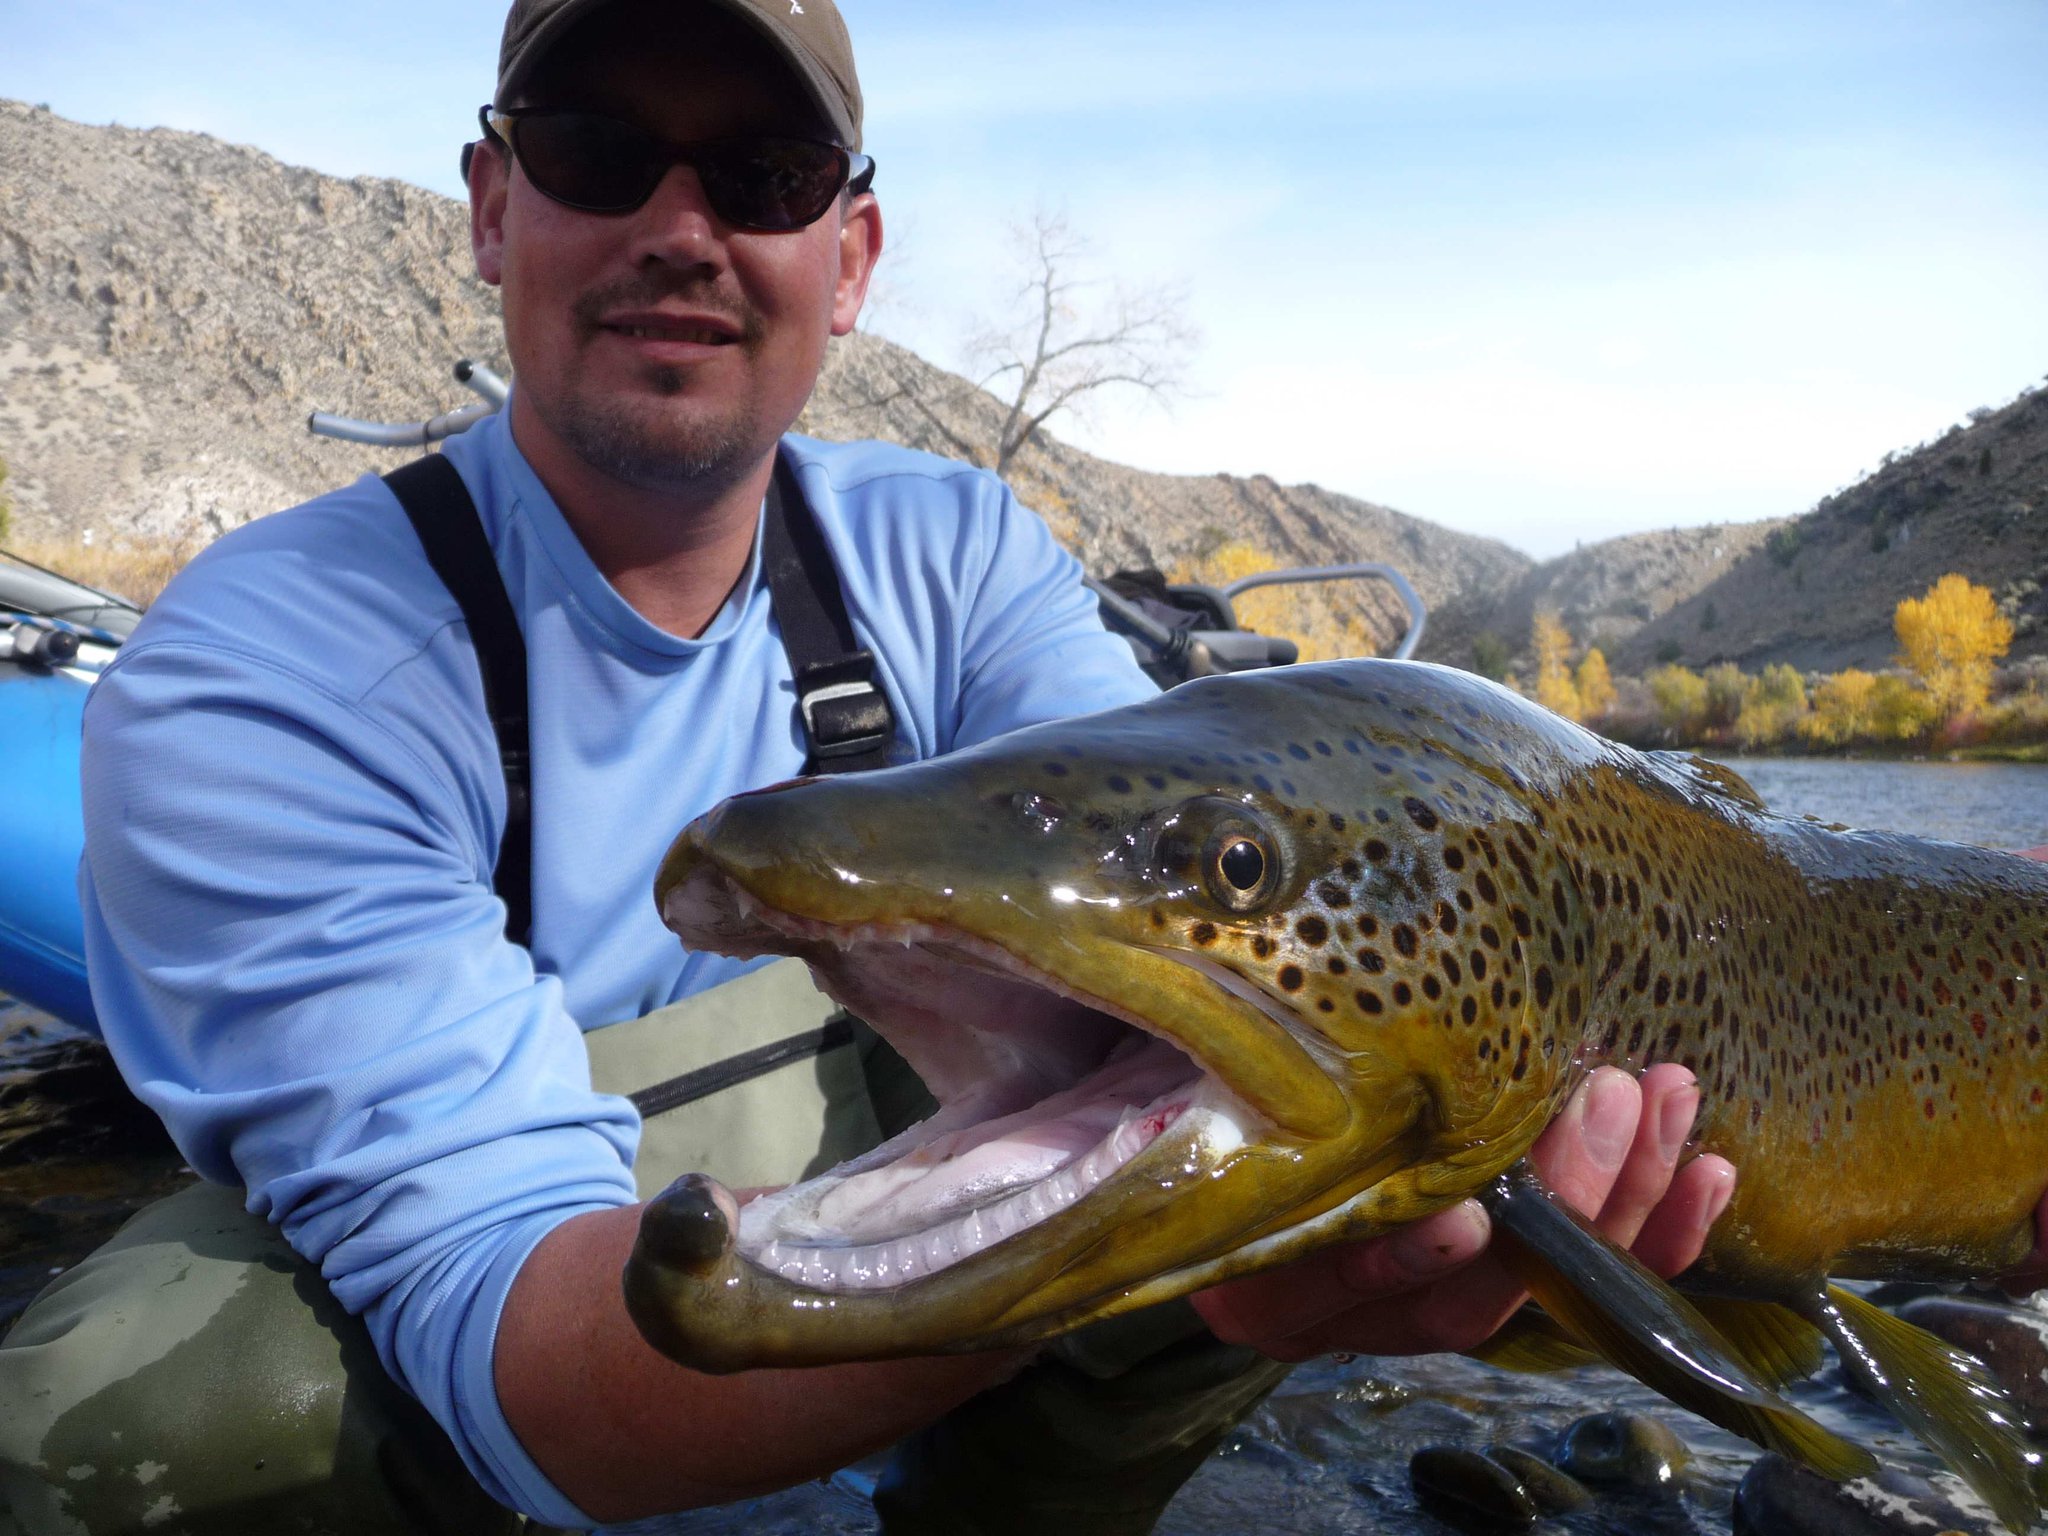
(2000,805)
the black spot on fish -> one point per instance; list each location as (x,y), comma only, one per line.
(1404,940)
(1337,822)
(1545,984)
(1324,1005)
(1203,934)
(1338,966)
(1119,784)
(1420,814)
(1297,751)
(1291,978)
(1054,770)
(1403,994)
(1468,1010)
(1453,973)
(1314,931)
(1333,894)
(1371,961)
(1454,858)
(1376,851)
(1156,780)
(1260,781)
(1431,987)
(1262,946)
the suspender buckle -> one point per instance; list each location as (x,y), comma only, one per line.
(844,712)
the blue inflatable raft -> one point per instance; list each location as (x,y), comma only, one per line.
(55,635)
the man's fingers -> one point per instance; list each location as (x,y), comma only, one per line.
(1292,1300)
(1676,1230)
(1671,1097)
(1580,1153)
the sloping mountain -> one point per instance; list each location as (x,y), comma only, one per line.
(1605,593)
(171,307)
(1819,592)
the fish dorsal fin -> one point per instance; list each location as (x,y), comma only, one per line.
(1607,1300)
(1942,1395)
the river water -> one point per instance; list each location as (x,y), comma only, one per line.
(1329,1452)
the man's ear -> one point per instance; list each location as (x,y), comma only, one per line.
(490,175)
(860,247)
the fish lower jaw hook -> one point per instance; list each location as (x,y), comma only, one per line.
(689,1226)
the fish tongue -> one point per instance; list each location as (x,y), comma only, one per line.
(972,1166)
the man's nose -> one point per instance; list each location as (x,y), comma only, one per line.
(676,224)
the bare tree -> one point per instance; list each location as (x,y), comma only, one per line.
(1057,352)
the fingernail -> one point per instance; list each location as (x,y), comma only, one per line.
(1724,1191)
(1674,1121)
(1612,1108)
(1440,1243)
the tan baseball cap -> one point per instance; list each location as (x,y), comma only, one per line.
(809,34)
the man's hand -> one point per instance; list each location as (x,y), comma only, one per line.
(1614,1153)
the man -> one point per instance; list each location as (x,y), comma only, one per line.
(295,804)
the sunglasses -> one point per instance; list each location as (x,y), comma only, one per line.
(599,164)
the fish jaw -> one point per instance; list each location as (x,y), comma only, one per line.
(1251,1135)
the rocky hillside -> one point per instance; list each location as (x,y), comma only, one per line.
(171,307)
(1819,592)
(1605,593)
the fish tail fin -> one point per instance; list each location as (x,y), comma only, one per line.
(1942,1395)
(1600,1295)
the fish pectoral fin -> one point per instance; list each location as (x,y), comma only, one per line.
(1781,1346)
(1604,1298)
(1532,1343)
(1942,1395)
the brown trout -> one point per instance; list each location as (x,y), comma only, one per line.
(1288,958)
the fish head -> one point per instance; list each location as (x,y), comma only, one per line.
(1198,984)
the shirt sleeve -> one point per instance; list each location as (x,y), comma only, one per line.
(1033,647)
(299,964)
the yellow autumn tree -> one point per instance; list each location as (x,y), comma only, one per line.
(1842,708)
(1680,695)
(1317,620)
(1951,639)
(1552,643)
(1898,710)
(1772,706)
(1595,685)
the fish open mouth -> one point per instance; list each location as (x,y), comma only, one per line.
(1045,1095)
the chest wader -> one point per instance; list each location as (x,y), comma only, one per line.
(194,1375)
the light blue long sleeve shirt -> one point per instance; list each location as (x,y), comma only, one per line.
(293,803)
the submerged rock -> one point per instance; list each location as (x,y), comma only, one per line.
(1470,1491)
(1630,1449)
(1781,1498)
(1555,1492)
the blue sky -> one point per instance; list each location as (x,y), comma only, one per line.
(1547,272)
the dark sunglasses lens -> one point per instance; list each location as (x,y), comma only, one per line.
(769,183)
(588,161)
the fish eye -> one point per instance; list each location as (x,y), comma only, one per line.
(1240,866)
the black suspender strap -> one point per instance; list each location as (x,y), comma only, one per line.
(846,718)
(445,518)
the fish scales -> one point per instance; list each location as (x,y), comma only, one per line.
(1392,915)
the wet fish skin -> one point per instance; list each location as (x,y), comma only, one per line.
(1472,904)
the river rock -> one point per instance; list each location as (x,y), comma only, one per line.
(1630,1449)
(2011,1341)
(1781,1498)
(1555,1492)
(1470,1491)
